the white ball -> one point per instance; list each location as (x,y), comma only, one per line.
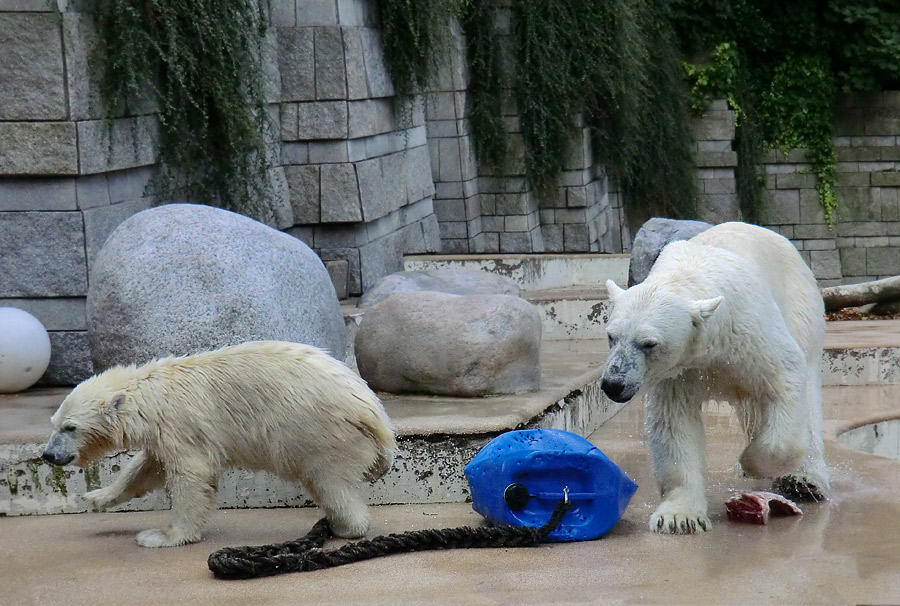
(24,350)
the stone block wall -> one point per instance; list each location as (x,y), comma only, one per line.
(357,167)
(485,209)
(61,193)
(864,243)
(355,177)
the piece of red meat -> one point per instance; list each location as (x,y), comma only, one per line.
(754,507)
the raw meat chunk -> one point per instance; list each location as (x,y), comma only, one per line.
(755,506)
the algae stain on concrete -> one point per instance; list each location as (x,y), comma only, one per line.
(57,480)
(92,476)
(33,468)
(12,480)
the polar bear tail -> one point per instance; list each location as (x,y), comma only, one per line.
(381,434)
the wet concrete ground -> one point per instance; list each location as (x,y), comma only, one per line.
(842,551)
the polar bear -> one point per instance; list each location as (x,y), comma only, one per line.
(733,314)
(283,407)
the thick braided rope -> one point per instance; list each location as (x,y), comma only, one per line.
(305,554)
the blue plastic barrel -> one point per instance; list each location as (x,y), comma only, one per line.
(520,476)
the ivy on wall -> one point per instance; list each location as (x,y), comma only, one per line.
(200,62)
(780,66)
(612,63)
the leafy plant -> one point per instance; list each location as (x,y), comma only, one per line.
(614,62)
(788,62)
(200,60)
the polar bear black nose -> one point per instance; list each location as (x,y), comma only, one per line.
(52,457)
(613,388)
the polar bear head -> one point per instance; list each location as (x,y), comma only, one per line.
(86,424)
(651,331)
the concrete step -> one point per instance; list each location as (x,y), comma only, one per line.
(537,271)
(438,436)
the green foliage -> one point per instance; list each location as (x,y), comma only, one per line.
(612,62)
(199,60)
(783,65)
(416,35)
(486,79)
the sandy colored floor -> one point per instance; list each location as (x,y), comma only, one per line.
(845,550)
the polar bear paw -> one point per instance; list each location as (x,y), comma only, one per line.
(675,522)
(800,487)
(102,498)
(156,537)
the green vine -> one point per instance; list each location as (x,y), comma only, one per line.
(200,60)
(612,62)
(780,68)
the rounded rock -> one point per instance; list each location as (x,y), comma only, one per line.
(184,278)
(451,280)
(453,345)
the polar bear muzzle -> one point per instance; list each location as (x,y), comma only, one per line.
(59,450)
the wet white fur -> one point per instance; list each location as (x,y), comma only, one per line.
(283,407)
(759,347)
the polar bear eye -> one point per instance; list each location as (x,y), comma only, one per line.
(649,344)
(68,427)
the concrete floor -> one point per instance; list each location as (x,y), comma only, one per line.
(845,550)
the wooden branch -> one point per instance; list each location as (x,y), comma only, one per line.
(854,295)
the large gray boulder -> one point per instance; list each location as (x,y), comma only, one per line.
(652,238)
(455,281)
(455,345)
(183,278)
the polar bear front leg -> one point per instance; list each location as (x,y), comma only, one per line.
(143,474)
(677,448)
(193,498)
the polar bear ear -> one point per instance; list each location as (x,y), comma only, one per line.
(613,289)
(701,309)
(112,406)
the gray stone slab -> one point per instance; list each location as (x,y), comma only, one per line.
(32,81)
(70,359)
(38,148)
(127,185)
(355,64)
(296,57)
(371,117)
(340,194)
(24,6)
(339,270)
(377,76)
(92,191)
(43,255)
(417,171)
(303,185)
(328,152)
(331,71)
(65,313)
(37,194)
(317,12)
(79,37)
(883,261)
(130,143)
(322,120)
(100,222)
(295,153)
(376,192)
(283,13)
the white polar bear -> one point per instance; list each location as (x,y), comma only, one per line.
(283,407)
(733,314)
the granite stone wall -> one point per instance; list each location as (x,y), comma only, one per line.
(864,243)
(364,178)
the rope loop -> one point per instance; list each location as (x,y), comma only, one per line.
(306,554)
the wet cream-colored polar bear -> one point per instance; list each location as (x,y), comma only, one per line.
(283,407)
(733,314)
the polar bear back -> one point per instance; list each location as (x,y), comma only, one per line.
(778,263)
